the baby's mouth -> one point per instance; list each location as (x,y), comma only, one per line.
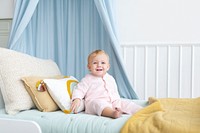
(99,69)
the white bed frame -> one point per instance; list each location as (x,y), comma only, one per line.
(18,126)
(163,69)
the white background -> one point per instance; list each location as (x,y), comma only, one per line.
(158,20)
(148,20)
(6,9)
(160,41)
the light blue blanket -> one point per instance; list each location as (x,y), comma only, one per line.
(59,122)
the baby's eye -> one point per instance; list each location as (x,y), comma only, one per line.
(94,62)
(103,62)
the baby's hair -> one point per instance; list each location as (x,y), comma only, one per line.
(96,52)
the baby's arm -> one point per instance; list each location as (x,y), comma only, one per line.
(75,105)
(78,94)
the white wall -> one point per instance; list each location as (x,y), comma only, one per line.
(6,9)
(160,40)
(6,15)
(159,20)
(163,60)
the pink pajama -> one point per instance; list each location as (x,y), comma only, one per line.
(102,92)
(97,106)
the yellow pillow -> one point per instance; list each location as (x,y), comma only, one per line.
(42,99)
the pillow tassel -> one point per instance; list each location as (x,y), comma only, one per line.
(42,86)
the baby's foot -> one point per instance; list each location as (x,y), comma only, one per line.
(117,114)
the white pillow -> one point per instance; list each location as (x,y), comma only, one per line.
(15,65)
(61,91)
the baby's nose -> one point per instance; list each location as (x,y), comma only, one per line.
(99,63)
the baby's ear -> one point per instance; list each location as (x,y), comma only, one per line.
(88,66)
(108,67)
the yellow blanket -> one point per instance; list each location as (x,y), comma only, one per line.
(169,115)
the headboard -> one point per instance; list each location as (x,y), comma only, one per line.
(163,69)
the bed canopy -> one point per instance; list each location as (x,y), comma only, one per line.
(66,31)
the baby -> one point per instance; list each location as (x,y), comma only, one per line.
(99,90)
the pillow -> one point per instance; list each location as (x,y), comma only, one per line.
(15,65)
(42,99)
(2,105)
(61,91)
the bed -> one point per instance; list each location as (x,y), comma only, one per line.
(58,122)
(20,104)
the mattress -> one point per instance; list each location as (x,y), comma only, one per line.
(59,122)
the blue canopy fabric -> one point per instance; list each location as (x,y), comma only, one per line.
(66,31)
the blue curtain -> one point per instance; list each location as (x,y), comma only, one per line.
(23,13)
(106,10)
(66,31)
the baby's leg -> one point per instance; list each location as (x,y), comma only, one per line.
(109,112)
(129,107)
(98,106)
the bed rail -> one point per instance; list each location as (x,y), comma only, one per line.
(18,126)
(163,69)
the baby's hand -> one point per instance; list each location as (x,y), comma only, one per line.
(75,105)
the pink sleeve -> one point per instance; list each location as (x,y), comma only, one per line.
(80,90)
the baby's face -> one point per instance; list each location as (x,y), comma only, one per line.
(99,65)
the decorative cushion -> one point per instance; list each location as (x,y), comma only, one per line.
(2,104)
(42,99)
(15,65)
(61,91)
